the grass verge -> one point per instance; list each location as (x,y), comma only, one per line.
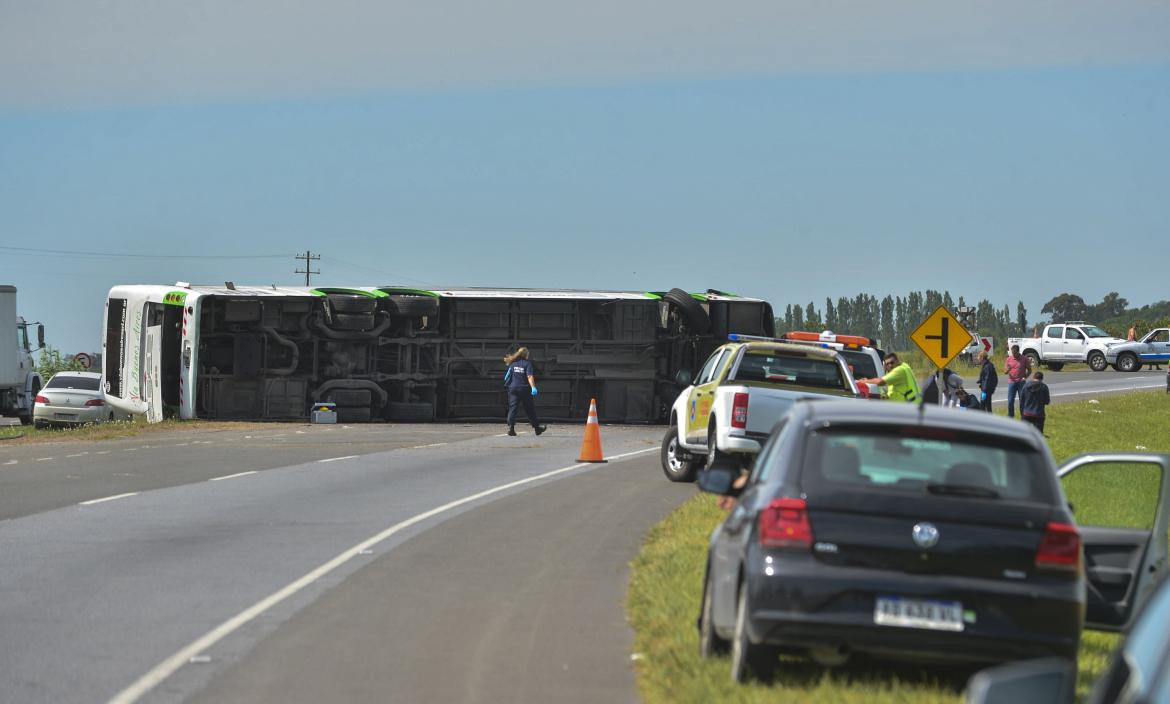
(666,579)
(13,435)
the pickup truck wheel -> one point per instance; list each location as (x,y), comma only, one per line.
(697,319)
(674,467)
(1097,362)
(1127,362)
(714,454)
(1056,366)
(1033,359)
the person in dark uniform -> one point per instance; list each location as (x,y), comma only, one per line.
(520,380)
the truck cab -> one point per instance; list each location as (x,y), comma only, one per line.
(19,380)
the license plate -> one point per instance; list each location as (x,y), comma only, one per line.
(65,416)
(918,613)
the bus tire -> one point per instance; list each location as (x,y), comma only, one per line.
(692,311)
(352,304)
(352,398)
(353,321)
(408,306)
(353,415)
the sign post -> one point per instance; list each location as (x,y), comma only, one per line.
(941,337)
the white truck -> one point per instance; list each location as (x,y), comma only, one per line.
(19,380)
(739,394)
(1062,343)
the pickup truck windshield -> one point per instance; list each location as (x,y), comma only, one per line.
(802,371)
(1094,331)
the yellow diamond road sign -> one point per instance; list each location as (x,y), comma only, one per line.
(941,337)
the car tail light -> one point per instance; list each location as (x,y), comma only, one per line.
(95,402)
(863,389)
(784,524)
(42,400)
(739,409)
(1060,549)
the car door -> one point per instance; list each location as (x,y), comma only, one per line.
(1157,347)
(1075,345)
(1121,503)
(1052,346)
(702,395)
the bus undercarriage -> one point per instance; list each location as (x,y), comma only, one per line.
(397,356)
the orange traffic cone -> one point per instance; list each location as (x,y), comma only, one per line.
(591,445)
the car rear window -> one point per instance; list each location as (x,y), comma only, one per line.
(926,460)
(861,362)
(793,369)
(81,383)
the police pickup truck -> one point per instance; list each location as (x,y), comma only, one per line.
(1061,343)
(739,394)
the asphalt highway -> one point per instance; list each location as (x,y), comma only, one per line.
(376,563)
(476,569)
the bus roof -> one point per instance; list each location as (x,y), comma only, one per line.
(446,292)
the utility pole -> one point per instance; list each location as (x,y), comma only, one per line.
(308,257)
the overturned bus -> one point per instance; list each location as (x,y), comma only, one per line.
(391,353)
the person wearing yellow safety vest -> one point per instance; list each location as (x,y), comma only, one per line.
(899,377)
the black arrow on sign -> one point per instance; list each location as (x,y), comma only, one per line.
(942,336)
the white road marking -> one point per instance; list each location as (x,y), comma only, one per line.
(335,459)
(231,476)
(182,444)
(11,462)
(130,449)
(43,459)
(168,667)
(433,444)
(108,498)
(79,454)
(103,452)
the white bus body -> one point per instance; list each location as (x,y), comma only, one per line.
(269,353)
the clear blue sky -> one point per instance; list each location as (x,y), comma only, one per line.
(787,155)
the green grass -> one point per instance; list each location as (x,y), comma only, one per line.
(12,435)
(666,579)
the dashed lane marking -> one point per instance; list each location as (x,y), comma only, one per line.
(79,454)
(232,476)
(108,498)
(433,444)
(45,459)
(168,667)
(11,462)
(335,459)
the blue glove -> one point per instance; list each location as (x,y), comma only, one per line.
(534,392)
(983,396)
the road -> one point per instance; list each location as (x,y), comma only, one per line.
(320,563)
(502,556)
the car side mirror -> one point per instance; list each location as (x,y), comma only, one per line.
(1026,682)
(720,478)
(40,336)
(683,377)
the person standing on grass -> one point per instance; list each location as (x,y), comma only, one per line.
(520,380)
(1016,368)
(988,381)
(1033,398)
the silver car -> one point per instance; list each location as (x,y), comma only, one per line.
(1154,348)
(73,398)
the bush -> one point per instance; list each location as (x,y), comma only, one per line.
(51,362)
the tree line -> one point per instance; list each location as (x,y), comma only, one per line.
(892,319)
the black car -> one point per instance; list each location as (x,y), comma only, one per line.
(911,532)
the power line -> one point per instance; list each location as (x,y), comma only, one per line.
(70,252)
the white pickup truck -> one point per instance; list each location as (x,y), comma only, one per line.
(738,396)
(1061,343)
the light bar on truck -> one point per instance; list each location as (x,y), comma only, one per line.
(829,336)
